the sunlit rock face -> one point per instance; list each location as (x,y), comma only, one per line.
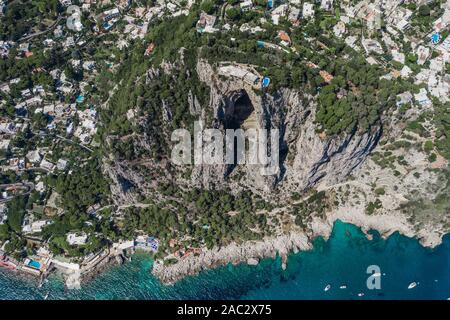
(307,158)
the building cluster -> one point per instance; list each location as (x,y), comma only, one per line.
(422,51)
(379,44)
(42,125)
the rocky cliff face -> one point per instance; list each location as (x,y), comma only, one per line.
(318,159)
(307,159)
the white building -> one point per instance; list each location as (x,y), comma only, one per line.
(398,56)
(206,23)
(294,13)
(371,45)
(76,240)
(326,5)
(3,216)
(110,14)
(34,156)
(400,18)
(61,164)
(246,5)
(279,12)
(339,29)
(4,144)
(406,72)
(36,226)
(40,187)
(422,54)
(351,42)
(47,165)
(422,98)
(65,3)
(404,98)
(239,73)
(308,10)
(7,127)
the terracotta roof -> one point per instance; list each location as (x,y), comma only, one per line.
(284,36)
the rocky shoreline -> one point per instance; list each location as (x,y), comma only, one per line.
(75,280)
(251,252)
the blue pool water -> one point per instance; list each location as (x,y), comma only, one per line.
(34,264)
(342,260)
(265,82)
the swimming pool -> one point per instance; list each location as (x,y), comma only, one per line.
(265,82)
(34,264)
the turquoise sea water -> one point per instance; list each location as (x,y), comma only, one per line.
(342,260)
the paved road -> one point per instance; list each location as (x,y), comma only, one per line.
(40,32)
(28,185)
(79,144)
(124,206)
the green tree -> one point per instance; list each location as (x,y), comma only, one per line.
(16,213)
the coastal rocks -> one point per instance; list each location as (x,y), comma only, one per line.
(250,251)
(76,275)
(91,272)
(119,259)
(73,280)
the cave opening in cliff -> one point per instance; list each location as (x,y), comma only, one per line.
(239,112)
(238,116)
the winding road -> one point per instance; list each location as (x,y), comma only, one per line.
(28,185)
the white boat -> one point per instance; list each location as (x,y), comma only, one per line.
(412,285)
(343,287)
(46,296)
(360,294)
(328,287)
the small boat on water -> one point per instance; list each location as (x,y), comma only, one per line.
(412,285)
(343,287)
(328,287)
(360,294)
(46,296)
